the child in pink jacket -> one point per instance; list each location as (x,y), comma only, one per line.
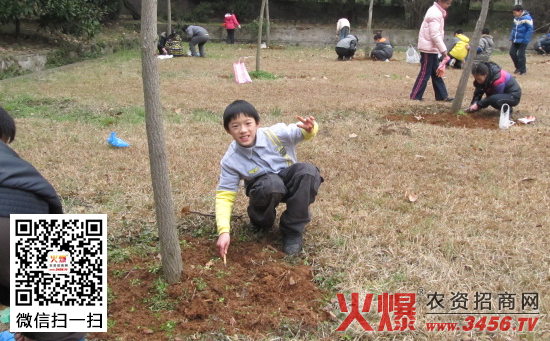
(430,44)
(230,24)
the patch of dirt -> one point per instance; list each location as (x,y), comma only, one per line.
(484,119)
(257,292)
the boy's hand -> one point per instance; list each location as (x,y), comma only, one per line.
(307,123)
(223,243)
(473,108)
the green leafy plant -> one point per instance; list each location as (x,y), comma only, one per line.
(200,283)
(262,75)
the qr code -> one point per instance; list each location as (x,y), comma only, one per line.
(58,272)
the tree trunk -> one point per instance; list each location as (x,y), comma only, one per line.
(133,11)
(474,42)
(169,16)
(267,24)
(169,243)
(260,26)
(369,30)
(17,28)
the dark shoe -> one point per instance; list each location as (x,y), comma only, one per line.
(523,73)
(516,71)
(292,246)
(447,99)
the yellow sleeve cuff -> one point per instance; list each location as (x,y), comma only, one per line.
(309,136)
(224,206)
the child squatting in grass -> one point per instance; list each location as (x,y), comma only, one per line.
(498,86)
(265,158)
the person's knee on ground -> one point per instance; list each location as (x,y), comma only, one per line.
(303,187)
(264,195)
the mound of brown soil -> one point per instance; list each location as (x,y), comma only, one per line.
(254,294)
(484,119)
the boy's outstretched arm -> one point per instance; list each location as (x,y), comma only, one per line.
(308,127)
(224,206)
(307,124)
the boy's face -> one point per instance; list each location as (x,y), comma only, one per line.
(480,79)
(243,129)
(517,14)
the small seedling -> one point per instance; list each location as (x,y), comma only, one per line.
(200,283)
(135,282)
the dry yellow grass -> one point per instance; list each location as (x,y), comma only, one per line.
(481,221)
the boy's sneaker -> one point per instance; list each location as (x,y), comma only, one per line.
(292,246)
(516,71)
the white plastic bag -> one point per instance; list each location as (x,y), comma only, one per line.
(412,56)
(241,74)
(505,122)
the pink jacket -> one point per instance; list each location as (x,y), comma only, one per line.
(430,36)
(231,21)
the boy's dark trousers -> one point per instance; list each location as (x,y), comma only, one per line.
(344,53)
(297,186)
(517,53)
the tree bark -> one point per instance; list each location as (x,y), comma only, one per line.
(369,30)
(260,26)
(133,11)
(17,28)
(474,42)
(267,24)
(169,242)
(169,16)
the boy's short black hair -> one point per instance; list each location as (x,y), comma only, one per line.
(459,31)
(239,107)
(184,28)
(377,36)
(480,69)
(517,8)
(485,30)
(7,126)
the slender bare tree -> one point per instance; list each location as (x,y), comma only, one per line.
(369,30)
(164,207)
(267,24)
(169,16)
(474,42)
(260,26)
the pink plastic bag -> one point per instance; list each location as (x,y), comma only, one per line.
(241,75)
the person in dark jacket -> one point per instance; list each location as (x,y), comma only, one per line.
(345,48)
(23,190)
(382,50)
(520,36)
(196,35)
(499,86)
(542,46)
(161,45)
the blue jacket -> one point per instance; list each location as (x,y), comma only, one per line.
(522,29)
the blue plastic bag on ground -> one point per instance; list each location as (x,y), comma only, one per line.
(116,142)
(6,336)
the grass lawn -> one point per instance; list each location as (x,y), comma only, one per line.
(406,207)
